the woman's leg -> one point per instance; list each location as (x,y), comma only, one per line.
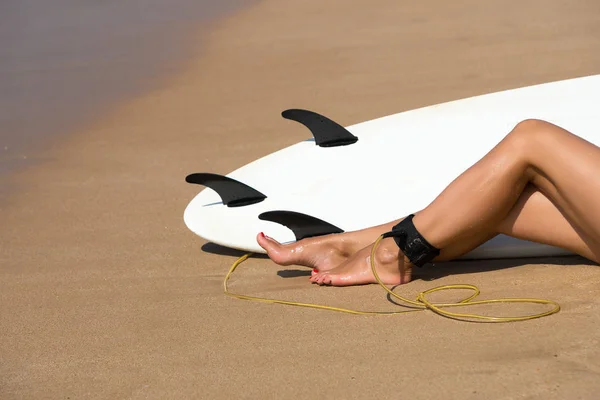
(534,217)
(562,166)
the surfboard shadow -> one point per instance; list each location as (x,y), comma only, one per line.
(440,270)
(293,273)
(428,272)
(217,249)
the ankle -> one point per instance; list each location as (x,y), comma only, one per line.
(388,253)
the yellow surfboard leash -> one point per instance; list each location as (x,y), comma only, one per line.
(420,304)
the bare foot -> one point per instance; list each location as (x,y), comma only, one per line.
(321,253)
(390,263)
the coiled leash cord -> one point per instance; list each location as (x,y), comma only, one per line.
(420,304)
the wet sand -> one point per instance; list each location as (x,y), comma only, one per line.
(63,64)
(106,294)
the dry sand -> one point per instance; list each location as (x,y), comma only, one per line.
(106,294)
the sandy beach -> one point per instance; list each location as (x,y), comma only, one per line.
(104,292)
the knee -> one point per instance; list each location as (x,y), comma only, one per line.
(531,127)
(528,132)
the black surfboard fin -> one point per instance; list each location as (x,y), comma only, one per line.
(233,193)
(302,225)
(326,132)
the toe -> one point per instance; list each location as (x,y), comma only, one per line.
(326,280)
(317,277)
(274,249)
(266,242)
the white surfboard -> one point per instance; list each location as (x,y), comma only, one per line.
(397,165)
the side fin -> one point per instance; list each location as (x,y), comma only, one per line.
(232,192)
(326,132)
(302,225)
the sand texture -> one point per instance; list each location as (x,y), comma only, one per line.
(104,293)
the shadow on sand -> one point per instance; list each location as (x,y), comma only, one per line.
(217,249)
(427,273)
(432,272)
